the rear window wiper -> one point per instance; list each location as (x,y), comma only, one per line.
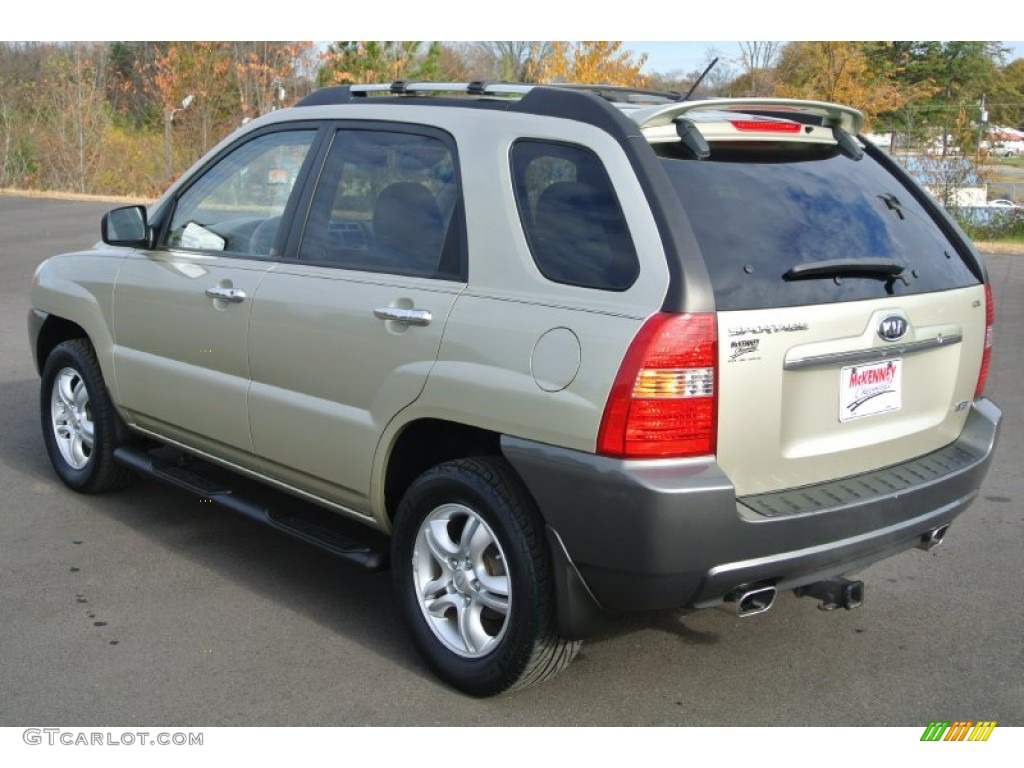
(883,269)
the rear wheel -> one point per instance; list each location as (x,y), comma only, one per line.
(80,425)
(473,578)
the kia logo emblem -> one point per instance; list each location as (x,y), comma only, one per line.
(892,328)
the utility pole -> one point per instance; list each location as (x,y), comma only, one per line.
(982,121)
(168,123)
(278,94)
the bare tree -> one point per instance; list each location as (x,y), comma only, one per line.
(512,60)
(271,75)
(73,111)
(719,78)
(956,182)
(461,61)
(20,66)
(758,59)
(717,82)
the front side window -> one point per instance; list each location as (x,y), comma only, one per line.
(236,205)
(388,201)
(573,223)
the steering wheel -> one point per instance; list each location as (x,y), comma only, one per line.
(264,236)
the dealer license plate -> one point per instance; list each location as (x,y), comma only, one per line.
(868,390)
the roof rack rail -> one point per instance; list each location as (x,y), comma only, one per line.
(413,87)
(613,93)
(623,93)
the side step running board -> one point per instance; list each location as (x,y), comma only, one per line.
(340,543)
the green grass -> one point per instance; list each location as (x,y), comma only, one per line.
(1007,227)
(995,236)
(1014,162)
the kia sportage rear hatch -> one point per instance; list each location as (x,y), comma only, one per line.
(852,321)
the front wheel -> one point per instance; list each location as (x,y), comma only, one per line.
(473,578)
(80,425)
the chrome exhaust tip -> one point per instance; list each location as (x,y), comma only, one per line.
(932,539)
(750,602)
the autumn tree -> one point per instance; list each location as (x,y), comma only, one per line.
(202,70)
(1006,95)
(271,75)
(943,82)
(130,99)
(377,61)
(515,61)
(228,82)
(97,117)
(591,61)
(838,72)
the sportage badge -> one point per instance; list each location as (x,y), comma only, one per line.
(892,328)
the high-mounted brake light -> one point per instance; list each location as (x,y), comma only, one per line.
(986,355)
(664,400)
(765,126)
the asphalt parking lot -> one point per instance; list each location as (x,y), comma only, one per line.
(146,607)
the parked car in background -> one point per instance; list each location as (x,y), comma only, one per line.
(1007,149)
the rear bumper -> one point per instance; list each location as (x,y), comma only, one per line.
(672,533)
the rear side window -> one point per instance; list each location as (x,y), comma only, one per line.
(572,219)
(759,211)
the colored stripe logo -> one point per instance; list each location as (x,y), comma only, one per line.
(958,730)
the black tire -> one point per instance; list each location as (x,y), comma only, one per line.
(81,429)
(449,576)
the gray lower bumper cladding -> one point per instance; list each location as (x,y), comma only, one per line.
(659,534)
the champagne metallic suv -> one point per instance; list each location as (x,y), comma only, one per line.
(562,351)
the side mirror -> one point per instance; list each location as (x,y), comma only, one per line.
(126,227)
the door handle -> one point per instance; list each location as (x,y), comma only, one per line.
(232,295)
(405,316)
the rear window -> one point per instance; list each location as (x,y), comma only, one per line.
(759,210)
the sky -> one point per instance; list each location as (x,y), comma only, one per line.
(665,56)
(523,20)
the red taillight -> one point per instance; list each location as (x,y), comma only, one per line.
(664,402)
(765,126)
(986,355)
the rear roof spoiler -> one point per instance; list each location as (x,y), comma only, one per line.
(832,115)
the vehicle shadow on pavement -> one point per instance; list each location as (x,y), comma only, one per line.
(355,604)
(679,624)
(346,600)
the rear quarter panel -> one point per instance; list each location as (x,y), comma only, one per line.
(512,327)
(522,355)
